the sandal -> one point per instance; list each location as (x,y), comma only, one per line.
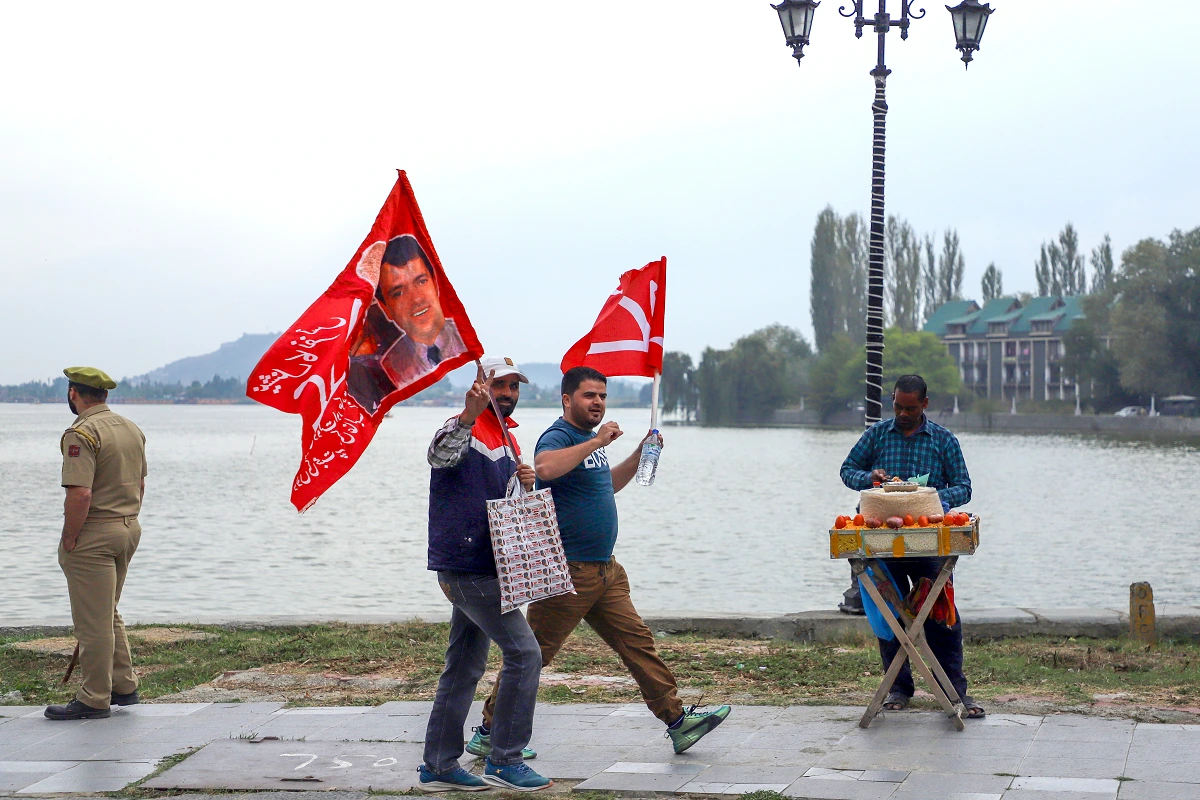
(973,709)
(896,701)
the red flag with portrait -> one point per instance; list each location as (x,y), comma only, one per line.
(389,326)
(627,337)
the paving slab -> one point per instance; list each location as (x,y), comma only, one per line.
(926,785)
(1084,785)
(635,782)
(818,788)
(239,764)
(1158,790)
(93,776)
(1073,768)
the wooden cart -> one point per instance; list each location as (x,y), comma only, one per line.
(865,546)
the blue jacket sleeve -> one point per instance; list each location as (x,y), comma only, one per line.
(856,469)
(958,481)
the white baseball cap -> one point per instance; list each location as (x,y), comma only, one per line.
(502,367)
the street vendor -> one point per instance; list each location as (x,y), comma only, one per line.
(913,446)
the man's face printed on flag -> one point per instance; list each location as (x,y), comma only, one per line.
(410,297)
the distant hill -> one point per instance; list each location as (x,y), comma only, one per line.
(231,360)
(236,359)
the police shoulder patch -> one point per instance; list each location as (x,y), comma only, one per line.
(73,450)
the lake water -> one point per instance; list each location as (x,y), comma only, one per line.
(735,522)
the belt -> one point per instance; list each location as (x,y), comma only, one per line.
(128,518)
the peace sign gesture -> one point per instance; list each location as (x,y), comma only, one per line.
(478,397)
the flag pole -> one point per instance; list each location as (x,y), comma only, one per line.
(654,401)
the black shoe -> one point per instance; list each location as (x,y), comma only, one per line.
(118,699)
(75,710)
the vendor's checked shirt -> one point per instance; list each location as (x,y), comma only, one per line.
(930,449)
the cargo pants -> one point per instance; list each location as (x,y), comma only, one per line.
(602,600)
(95,572)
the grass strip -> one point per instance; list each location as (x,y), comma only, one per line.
(408,658)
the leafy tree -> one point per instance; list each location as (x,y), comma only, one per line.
(902,253)
(929,279)
(908,353)
(1156,320)
(992,285)
(951,267)
(1088,358)
(679,390)
(763,371)
(836,379)
(1102,266)
(1059,268)
(825,380)
(1045,270)
(824,283)
(852,255)
(1074,277)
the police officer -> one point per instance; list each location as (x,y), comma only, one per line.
(104,473)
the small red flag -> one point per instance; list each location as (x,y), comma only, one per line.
(389,326)
(627,337)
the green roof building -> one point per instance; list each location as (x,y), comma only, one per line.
(1007,349)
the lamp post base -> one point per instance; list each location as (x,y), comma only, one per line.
(852,599)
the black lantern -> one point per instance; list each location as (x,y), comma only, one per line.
(970,18)
(796,16)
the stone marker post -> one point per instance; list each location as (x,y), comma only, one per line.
(1141,613)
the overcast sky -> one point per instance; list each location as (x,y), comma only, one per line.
(175,175)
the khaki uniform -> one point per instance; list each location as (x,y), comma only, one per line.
(107,453)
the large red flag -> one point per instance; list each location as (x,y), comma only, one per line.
(627,337)
(389,326)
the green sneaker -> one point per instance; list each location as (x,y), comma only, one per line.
(481,745)
(695,726)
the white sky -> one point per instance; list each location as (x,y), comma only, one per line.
(172,176)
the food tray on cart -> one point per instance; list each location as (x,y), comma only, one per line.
(906,542)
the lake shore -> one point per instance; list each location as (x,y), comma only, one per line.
(347,664)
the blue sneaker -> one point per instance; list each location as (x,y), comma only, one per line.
(456,780)
(517,777)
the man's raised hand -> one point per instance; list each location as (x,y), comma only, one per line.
(477,399)
(608,433)
(526,476)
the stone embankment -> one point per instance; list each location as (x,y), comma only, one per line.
(1180,622)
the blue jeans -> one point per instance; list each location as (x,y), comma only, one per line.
(475,623)
(946,643)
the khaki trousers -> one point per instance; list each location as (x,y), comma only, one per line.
(95,572)
(602,599)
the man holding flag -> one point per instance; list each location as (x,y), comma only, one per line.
(571,460)
(472,464)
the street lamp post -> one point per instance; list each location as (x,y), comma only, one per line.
(796,16)
(970,18)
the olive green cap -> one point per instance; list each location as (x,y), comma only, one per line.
(90,376)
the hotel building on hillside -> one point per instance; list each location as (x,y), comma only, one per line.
(1006,349)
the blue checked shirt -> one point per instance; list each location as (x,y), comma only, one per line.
(930,449)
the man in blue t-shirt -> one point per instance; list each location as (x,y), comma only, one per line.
(570,459)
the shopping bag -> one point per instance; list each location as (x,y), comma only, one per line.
(530,561)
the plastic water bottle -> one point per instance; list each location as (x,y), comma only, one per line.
(648,465)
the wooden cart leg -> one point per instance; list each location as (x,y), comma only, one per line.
(915,656)
(923,644)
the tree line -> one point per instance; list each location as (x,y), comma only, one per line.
(919,275)
(1140,332)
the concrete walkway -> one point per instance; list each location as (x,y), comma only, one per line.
(804,752)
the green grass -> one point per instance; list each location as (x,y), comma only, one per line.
(1065,671)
